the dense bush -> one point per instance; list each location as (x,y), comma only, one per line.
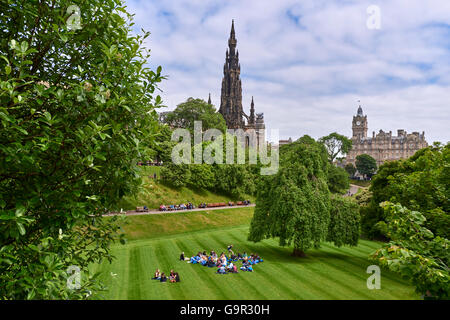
(337,179)
(420,183)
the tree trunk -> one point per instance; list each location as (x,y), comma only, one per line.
(298,253)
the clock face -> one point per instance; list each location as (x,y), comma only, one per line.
(358,123)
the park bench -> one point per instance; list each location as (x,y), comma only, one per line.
(212,205)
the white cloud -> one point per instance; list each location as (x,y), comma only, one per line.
(307,63)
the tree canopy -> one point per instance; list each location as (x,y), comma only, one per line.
(196,110)
(421,183)
(75,104)
(366,165)
(415,252)
(294,204)
(336,144)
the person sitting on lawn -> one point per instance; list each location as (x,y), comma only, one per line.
(162,208)
(234,257)
(182,256)
(157,275)
(177,277)
(246,266)
(211,262)
(172,276)
(222,270)
(163,277)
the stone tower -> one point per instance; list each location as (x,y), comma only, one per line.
(359,125)
(231,95)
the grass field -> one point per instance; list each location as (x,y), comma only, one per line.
(153,193)
(326,273)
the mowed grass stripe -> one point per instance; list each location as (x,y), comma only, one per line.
(326,273)
(196,274)
(225,282)
(282,270)
(363,262)
(247,279)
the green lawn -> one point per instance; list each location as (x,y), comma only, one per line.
(326,273)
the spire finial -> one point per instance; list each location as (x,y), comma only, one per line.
(209,98)
(232,29)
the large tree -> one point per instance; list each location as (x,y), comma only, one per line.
(336,144)
(76,100)
(196,110)
(351,169)
(366,165)
(421,183)
(294,204)
(415,252)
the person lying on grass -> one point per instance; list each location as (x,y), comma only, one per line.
(163,277)
(157,275)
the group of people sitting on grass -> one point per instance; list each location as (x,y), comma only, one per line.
(173,207)
(224,263)
(173,277)
(189,205)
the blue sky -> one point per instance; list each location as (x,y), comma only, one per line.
(307,63)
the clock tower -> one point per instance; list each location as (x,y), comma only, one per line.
(359,125)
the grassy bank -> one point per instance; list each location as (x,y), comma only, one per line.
(153,193)
(154,226)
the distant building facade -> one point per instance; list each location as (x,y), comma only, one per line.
(283,142)
(383,146)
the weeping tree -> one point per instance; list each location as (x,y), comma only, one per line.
(345,222)
(294,205)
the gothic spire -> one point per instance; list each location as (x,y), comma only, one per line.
(209,98)
(251,119)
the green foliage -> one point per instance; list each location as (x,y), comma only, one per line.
(160,148)
(74,107)
(294,204)
(336,144)
(337,179)
(351,169)
(366,165)
(196,110)
(415,252)
(344,227)
(420,183)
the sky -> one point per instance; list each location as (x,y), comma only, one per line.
(307,63)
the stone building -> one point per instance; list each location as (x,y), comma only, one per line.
(231,95)
(382,146)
